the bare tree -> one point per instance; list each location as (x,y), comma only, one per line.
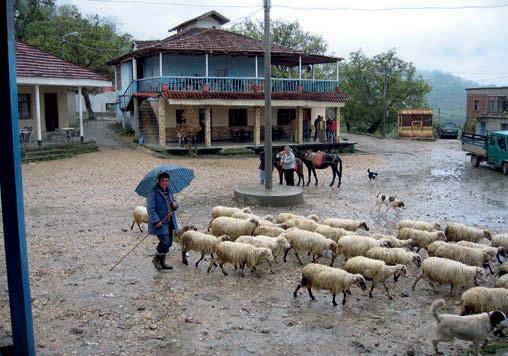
(190,127)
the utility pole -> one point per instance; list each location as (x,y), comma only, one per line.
(268,99)
(385,109)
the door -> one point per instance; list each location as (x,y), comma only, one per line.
(51,111)
(483,128)
(306,124)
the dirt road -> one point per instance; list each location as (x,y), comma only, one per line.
(77,210)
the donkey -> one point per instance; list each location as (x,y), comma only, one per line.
(298,170)
(329,160)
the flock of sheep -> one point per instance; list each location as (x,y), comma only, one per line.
(457,255)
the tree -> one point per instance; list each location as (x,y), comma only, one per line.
(190,127)
(96,43)
(28,11)
(362,78)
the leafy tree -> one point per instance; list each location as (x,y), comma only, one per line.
(362,78)
(28,11)
(96,43)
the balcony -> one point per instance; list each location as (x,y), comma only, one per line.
(224,85)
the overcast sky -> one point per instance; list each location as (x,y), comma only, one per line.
(470,43)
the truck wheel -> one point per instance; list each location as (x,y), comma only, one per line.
(475,161)
(505,168)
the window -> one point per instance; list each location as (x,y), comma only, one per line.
(504,127)
(237,117)
(24,106)
(284,116)
(492,105)
(501,143)
(179,116)
(476,105)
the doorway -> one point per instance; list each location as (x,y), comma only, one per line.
(51,111)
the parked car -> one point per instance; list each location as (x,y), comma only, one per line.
(448,130)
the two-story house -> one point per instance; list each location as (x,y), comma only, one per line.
(220,73)
(487,109)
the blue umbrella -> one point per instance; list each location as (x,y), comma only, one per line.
(179,178)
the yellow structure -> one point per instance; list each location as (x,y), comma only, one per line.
(415,123)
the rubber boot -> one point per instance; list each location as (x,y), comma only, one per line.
(163,262)
(157,261)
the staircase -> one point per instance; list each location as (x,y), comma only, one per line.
(148,125)
(50,152)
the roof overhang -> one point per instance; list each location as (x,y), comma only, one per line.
(254,102)
(91,83)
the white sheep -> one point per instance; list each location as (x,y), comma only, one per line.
(357,245)
(232,227)
(393,256)
(419,225)
(334,233)
(348,224)
(459,232)
(302,224)
(497,251)
(275,244)
(332,279)
(200,242)
(432,248)
(263,220)
(302,240)
(500,240)
(240,254)
(375,271)
(442,270)
(503,269)
(467,255)
(140,215)
(396,243)
(272,231)
(502,282)
(227,211)
(421,238)
(482,299)
(283,217)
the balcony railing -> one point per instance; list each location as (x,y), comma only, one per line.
(225,85)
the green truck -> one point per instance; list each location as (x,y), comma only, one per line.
(490,148)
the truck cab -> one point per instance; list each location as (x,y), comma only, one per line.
(491,148)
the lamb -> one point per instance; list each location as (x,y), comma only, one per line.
(393,256)
(275,244)
(421,238)
(283,217)
(334,233)
(357,245)
(419,225)
(396,243)
(302,240)
(498,251)
(227,211)
(475,328)
(500,240)
(240,254)
(197,241)
(432,248)
(272,231)
(467,255)
(140,215)
(502,282)
(302,224)
(348,224)
(232,227)
(442,270)
(481,299)
(332,279)
(458,232)
(375,271)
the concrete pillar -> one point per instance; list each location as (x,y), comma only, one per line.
(160,64)
(337,133)
(38,114)
(257,125)
(162,122)
(300,67)
(257,70)
(134,69)
(208,127)
(80,111)
(136,116)
(206,65)
(299,118)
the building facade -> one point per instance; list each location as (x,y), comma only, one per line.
(220,74)
(487,109)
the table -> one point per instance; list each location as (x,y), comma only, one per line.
(69,132)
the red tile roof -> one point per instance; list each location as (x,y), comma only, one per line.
(211,40)
(32,62)
(328,97)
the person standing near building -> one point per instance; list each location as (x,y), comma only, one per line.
(316,127)
(333,130)
(322,129)
(288,163)
(293,125)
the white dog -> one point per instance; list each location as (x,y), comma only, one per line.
(390,202)
(475,328)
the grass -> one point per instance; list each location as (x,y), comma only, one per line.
(494,347)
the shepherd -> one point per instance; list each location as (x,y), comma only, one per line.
(288,162)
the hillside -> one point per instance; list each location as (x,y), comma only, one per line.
(448,93)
